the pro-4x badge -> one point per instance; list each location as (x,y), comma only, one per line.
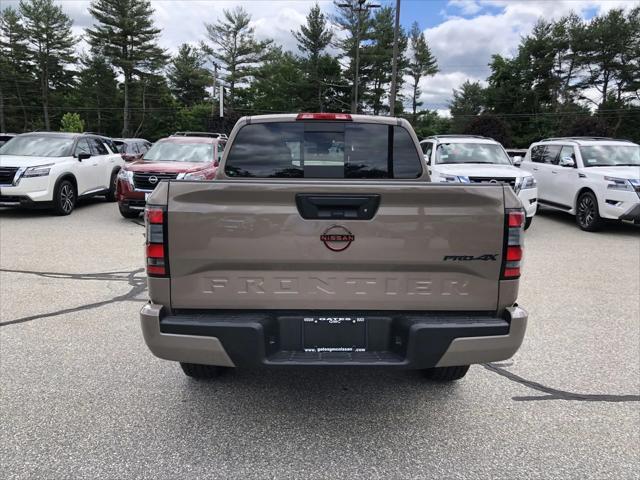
(467,258)
(337,238)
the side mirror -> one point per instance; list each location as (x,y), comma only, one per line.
(517,160)
(427,159)
(567,162)
(83,156)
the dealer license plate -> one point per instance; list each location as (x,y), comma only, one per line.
(334,334)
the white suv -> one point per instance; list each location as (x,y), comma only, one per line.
(476,159)
(589,177)
(55,169)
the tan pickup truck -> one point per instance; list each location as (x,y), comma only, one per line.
(322,242)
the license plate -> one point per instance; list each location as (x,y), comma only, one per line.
(334,334)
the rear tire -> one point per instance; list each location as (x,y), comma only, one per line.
(587,213)
(113,185)
(446,374)
(64,198)
(527,222)
(201,372)
(126,213)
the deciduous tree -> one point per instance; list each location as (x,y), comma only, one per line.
(71,122)
(489,125)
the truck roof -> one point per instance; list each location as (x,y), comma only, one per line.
(292,117)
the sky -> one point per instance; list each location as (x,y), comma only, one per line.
(463,34)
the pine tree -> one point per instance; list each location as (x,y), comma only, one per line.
(421,64)
(3,123)
(608,53)
(235,47)
(98,89)
(50,45)
(125,35)
(468,101)
(187,75)
(356,22)
(15,73)
(379,56)
(277,84)
(313,38)
(631,57)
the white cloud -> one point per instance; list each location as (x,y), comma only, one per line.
(436,90)
(182,21)
(464,46)
(467,7)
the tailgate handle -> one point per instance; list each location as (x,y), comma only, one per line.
(330,207)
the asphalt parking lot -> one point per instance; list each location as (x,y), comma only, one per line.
(82,397)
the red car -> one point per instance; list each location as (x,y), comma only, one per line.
(132,149)
(175,157)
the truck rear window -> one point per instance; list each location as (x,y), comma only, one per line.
(323,150)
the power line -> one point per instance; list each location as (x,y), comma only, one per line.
(72,108)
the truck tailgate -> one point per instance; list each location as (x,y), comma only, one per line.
(427,247)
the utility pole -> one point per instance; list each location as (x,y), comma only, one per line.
(394,68)
(360,6)
(213,89)
(221,101)
(356,82)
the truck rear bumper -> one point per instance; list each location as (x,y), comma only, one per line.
(411,340)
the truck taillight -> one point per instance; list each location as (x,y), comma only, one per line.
(324,116)
(156,253)
(513,249)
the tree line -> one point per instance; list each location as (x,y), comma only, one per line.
(125,84)
(568,77)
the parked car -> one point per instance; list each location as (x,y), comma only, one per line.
(132,149)
(5,137)
(56,169)
(476,159)
(349,255)
(174,157)
(593,178)
(516,155)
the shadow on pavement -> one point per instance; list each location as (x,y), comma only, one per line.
(18,212)
(563,218)
(363,394)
